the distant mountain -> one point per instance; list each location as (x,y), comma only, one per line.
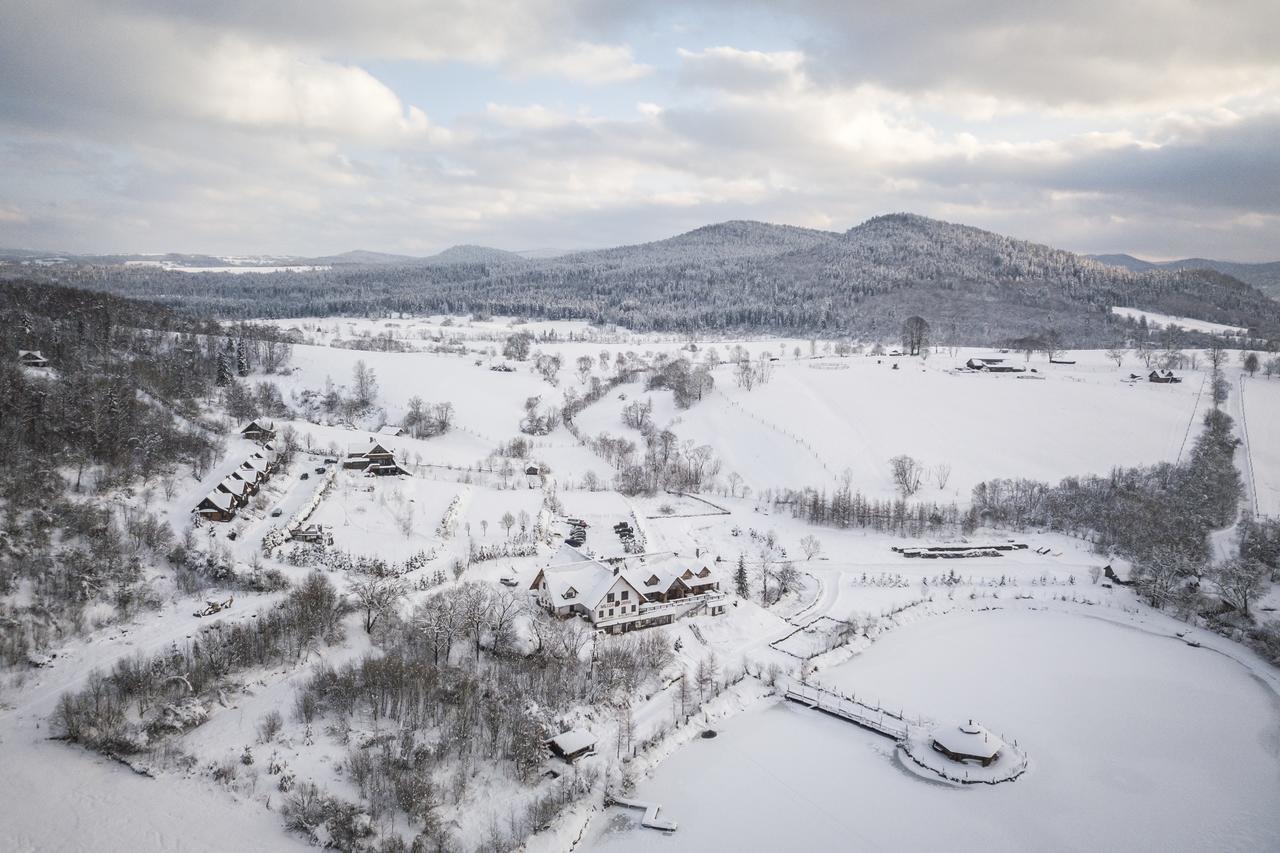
(542,254)
(473,255)
(973,286)
(362,256)
(1264,276)
(725,241)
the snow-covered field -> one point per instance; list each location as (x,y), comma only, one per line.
(1137,742)
(1164,320)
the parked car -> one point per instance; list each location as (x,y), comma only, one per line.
(277,512)
(305,476)
(320,470)
(508,582)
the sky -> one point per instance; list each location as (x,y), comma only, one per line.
(310,127)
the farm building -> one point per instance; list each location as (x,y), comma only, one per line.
(217,506)
(992,365)
(967,742)
(1163,377)
(32,358)
(573,744)
(391,430)
(621,597)
(259,431)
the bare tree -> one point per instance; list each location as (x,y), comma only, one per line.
(1117,354)
(1240,581)
(811,546)
(377,597)
(508,521)
(942,474)
(915,335)
(364,385)
(907,473)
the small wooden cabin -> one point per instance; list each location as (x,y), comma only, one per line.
(259,431)
(32,358)
(217,506)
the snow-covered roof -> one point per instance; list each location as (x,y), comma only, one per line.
(256,464)
(969,739)
(221,500)
(235,485)
(574,740)
(34,353)
(391,429)
(566,555)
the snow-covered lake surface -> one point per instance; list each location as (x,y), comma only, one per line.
(1137,742)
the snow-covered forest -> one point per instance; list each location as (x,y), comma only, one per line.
(735,276)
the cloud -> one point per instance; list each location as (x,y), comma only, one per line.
(741,71)
(312,126)
(590,63)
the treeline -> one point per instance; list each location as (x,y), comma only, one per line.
(1131,510)
(846,508)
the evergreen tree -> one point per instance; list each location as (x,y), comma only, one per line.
(243,364)
(741,583)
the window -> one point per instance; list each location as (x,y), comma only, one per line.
(609,598)
(625,595)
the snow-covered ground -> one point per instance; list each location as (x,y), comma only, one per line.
(1137,742)
(1163,320)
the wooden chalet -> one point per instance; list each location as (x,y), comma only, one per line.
(217,506)
(1162,377)
(254,468)
(32,358)
(259,431)
(238,488)
(373,458)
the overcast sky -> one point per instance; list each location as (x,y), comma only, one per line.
(317,126)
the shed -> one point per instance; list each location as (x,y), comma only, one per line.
(32,358)
(573,744)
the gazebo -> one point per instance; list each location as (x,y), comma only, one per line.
(967,742)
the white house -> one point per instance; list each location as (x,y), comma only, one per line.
(622,596)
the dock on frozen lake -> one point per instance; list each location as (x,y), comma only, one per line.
(650,818)
(876,719)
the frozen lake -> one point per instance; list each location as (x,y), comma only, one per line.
(1137,742)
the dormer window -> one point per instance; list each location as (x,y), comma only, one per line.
(652,581)
(570,593)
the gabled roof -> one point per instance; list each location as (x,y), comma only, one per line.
(34,353)
(391,429)
(220,500)
(573,741)
(234,485)
(255,464)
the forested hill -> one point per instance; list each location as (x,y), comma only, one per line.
(1264,276)
(972,285)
